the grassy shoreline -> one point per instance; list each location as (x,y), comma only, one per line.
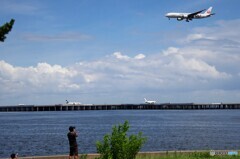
(194,155)
(197,154)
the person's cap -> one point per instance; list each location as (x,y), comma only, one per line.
(71,128)
(14,155)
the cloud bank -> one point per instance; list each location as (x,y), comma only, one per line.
(205,68)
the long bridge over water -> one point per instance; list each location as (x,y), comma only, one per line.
(82,107)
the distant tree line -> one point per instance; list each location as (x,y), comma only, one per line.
(5,29)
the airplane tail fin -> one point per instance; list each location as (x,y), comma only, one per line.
(208,12)
(67,101)
(145,99)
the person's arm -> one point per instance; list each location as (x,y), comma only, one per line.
(75,133)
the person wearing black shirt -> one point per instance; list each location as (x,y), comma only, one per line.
(72,135)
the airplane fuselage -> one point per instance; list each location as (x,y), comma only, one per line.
(181,16)
(190,16)
(72,103)
(149,101)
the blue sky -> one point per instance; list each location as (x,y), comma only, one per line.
(119,51)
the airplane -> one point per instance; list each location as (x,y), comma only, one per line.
(149,101)
(190,16)
(72,103)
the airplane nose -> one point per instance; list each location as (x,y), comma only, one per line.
(166,15)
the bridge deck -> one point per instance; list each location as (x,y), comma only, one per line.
(62,107)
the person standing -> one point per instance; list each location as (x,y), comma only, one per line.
(72,135)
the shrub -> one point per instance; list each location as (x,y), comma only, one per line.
(118,145)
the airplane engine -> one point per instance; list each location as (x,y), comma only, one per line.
(179,19)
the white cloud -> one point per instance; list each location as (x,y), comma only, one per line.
(194,37)
(191,65)
(175,74)
(223,30)
(170,51)
(171,69)
(42,77)
(197,36)
(119,55)
(139,56)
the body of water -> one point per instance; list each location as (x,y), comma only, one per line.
(45,133)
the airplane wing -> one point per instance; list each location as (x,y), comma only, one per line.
(191,16)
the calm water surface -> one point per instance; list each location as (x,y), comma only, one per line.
(45,133)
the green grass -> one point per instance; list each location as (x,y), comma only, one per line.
(190,156)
